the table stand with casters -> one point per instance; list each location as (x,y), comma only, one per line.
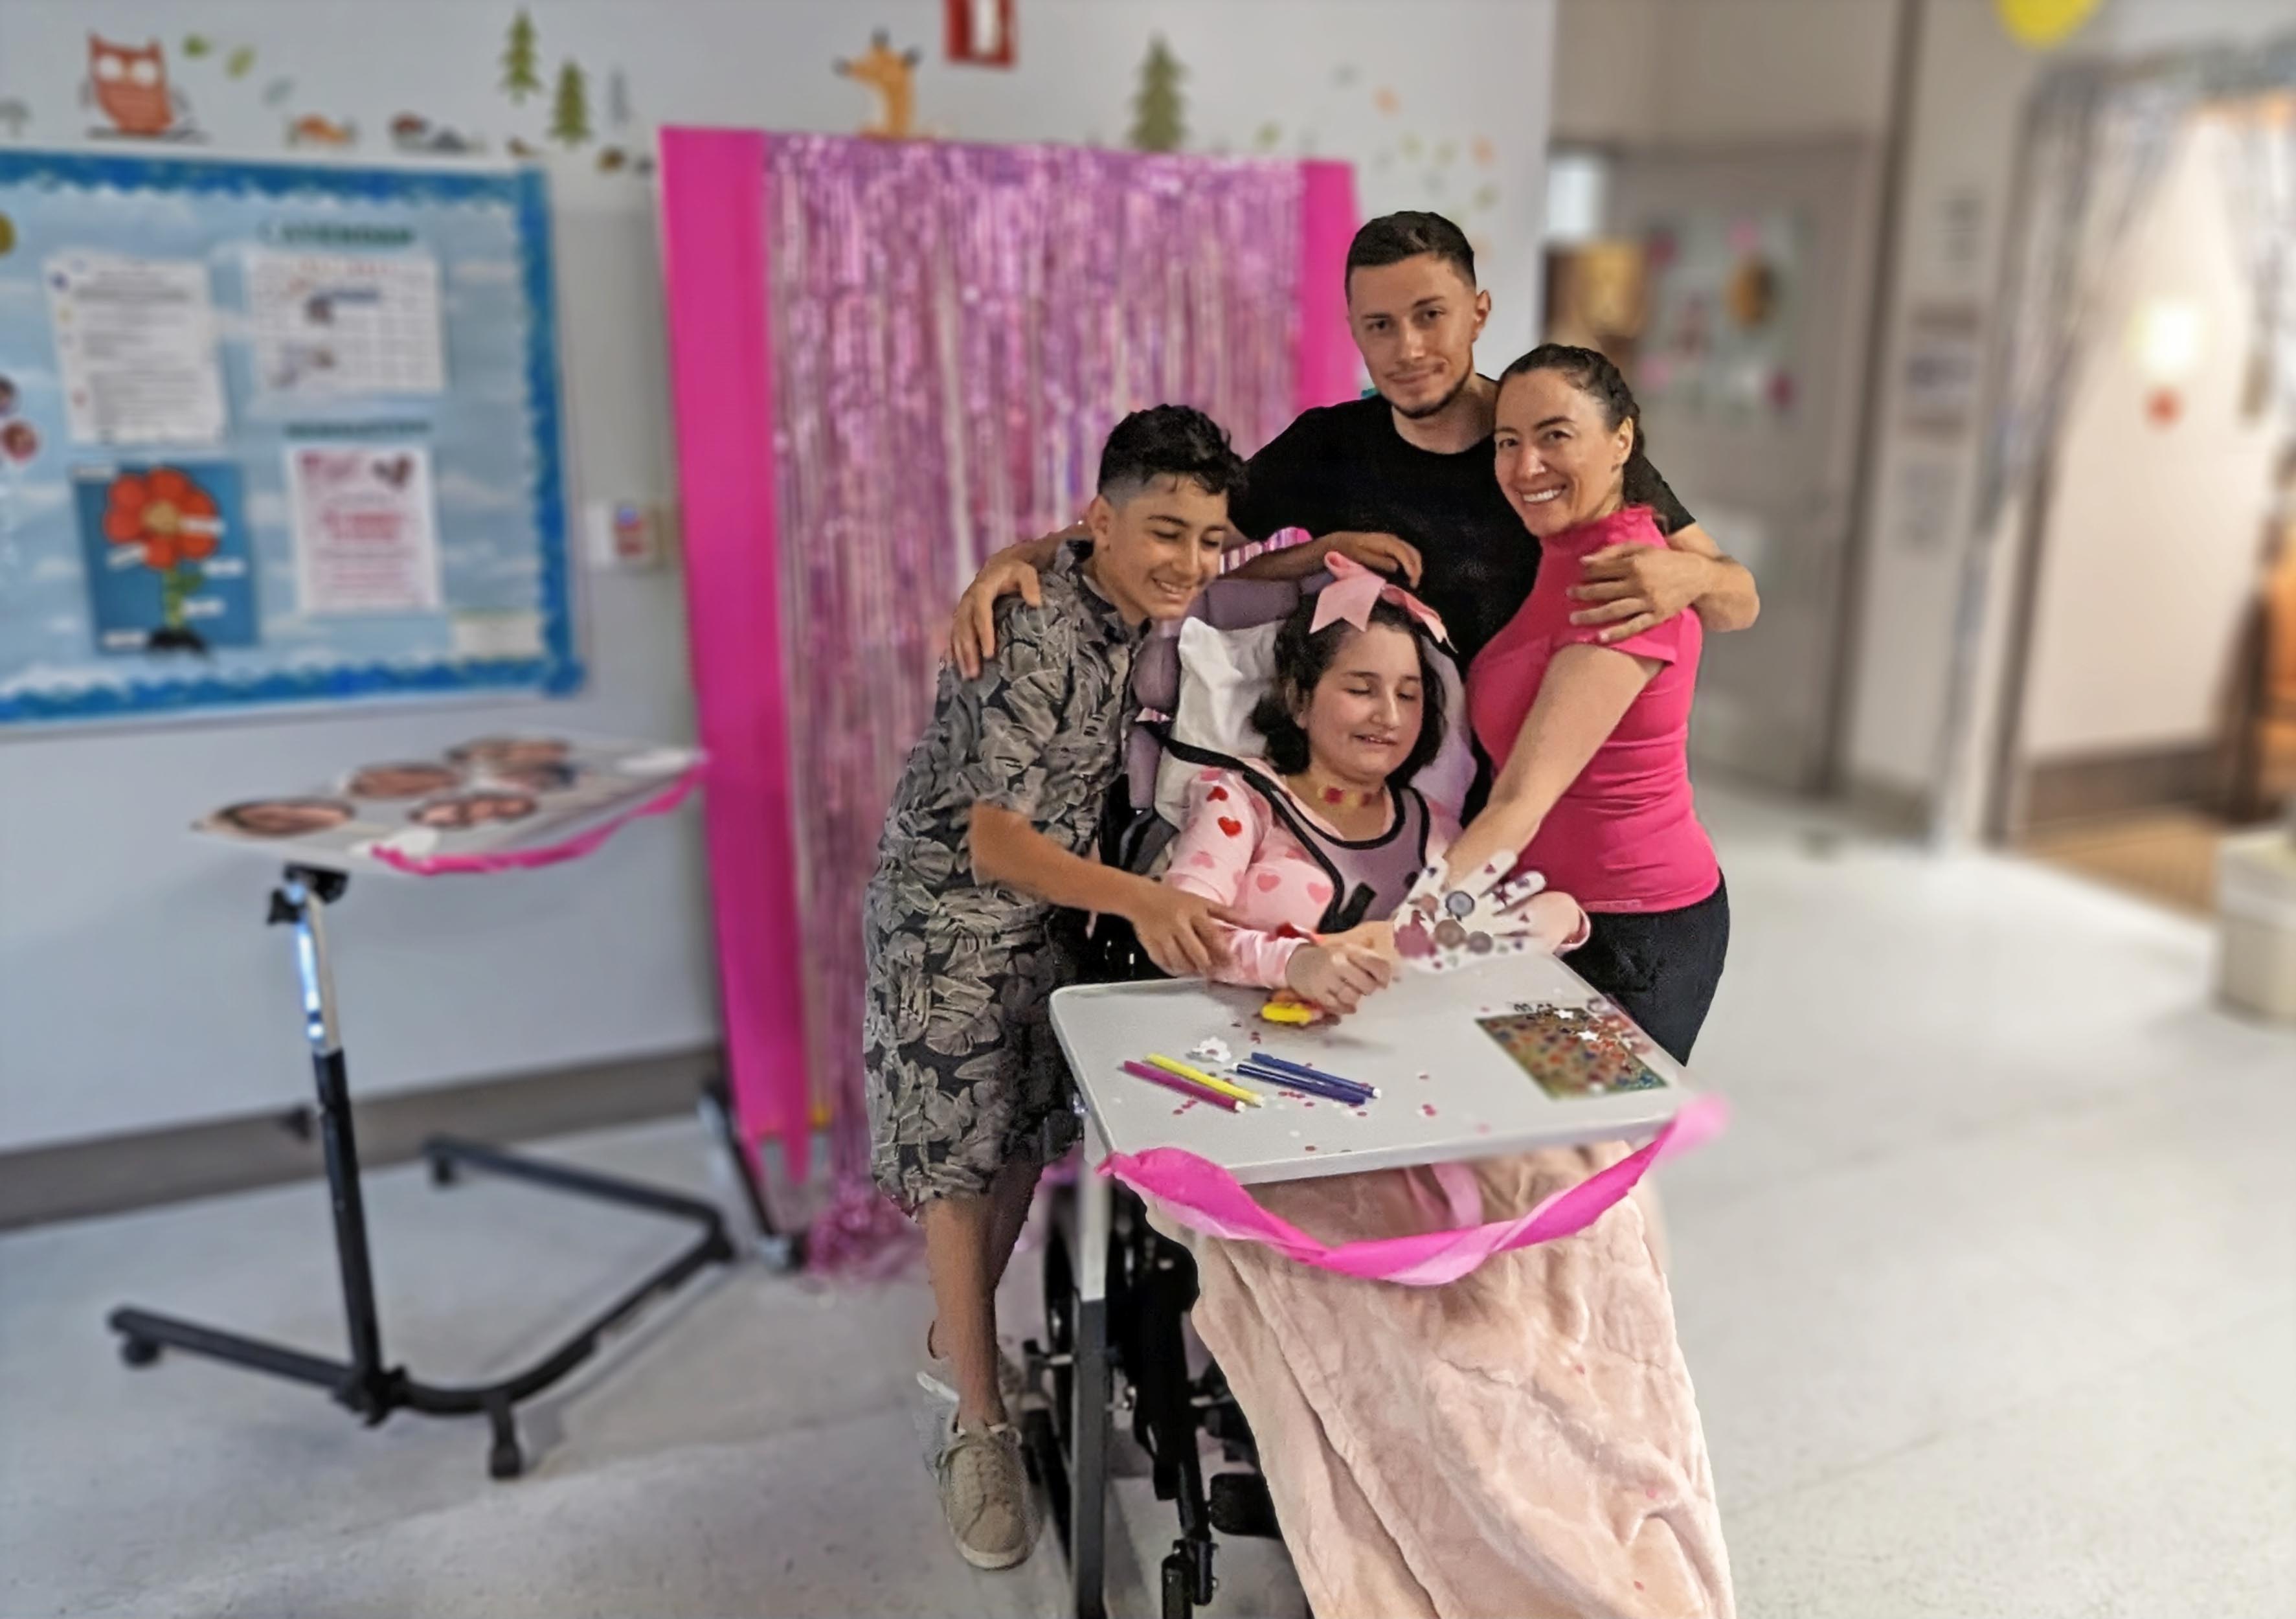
(365,1382)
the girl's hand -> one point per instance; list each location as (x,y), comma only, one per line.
(1183,933)
(1376,937)
(1557,922)
(1336,977)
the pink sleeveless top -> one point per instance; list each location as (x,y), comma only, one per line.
(1625,836)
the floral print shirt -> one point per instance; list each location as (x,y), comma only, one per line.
(1041,733)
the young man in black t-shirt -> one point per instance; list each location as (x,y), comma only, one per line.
(1402,481)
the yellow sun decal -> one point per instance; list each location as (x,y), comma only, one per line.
(2043,23)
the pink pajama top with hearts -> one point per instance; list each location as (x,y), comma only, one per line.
(1236,851)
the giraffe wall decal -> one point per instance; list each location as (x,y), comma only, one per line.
(892,75)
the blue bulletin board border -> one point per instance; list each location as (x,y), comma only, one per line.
(558,671)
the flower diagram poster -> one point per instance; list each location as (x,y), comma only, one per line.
(165,551)
(274,432)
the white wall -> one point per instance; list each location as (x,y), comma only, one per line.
(1756,69)
(2150,556)
(1607,67)
(2131,27)
(1969,98)
(1434,101)
(1678,72)
(136,985)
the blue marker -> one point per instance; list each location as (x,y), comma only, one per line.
(1304,1072)
(1347,1094)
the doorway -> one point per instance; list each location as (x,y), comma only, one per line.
(2144,714)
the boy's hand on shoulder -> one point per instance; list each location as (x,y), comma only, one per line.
(1181,933)
(972,634)
(1379,552)
(1637,587)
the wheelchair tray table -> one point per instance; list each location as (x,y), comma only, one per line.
(1448,1089)
(1448,1092)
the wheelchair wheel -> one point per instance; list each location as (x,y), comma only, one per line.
(1175,1591)
(1060,1322)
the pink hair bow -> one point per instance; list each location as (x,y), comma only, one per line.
(1355,590)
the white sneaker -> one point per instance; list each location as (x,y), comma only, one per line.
(938,1379)
(934,1410)
(984,1494)
(938,1409)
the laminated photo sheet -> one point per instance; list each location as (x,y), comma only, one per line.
(481,796)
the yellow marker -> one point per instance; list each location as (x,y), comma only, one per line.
(1208,1081)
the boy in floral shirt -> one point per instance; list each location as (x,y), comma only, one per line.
(991,830)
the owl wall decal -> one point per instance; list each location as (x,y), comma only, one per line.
(128,85)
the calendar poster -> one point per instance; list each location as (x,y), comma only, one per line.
(336,323)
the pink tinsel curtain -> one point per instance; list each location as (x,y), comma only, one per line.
(954,330)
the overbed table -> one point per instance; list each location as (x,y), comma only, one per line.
(1448,1092)
(319,870)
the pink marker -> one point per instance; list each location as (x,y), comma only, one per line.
(1173,1082)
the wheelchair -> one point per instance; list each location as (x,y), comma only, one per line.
(1137,1321)
(1116,1299)
(1145,1379)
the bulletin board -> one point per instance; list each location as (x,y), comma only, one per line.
(274,432)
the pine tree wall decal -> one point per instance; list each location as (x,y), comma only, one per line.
(1158,114)
(520,79)
(569,109)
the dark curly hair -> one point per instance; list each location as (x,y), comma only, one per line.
(1303,658)
(1392,238)
(1592,374)
(1169,441)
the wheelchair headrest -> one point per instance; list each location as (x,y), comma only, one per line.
(1227,603)
(1215,715)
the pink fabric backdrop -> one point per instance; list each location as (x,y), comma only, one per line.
(1329,370)
(714,267)
(931,340)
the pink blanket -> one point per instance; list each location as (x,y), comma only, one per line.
(1521,1441)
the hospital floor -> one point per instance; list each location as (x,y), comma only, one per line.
(1990,1293)
(2167,856)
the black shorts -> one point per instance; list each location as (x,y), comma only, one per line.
(1660,967)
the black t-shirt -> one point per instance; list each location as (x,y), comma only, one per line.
(1345,467)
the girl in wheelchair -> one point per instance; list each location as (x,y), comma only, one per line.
(1317,852)
(1524,1440)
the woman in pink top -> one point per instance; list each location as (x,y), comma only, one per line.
(1590,741)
